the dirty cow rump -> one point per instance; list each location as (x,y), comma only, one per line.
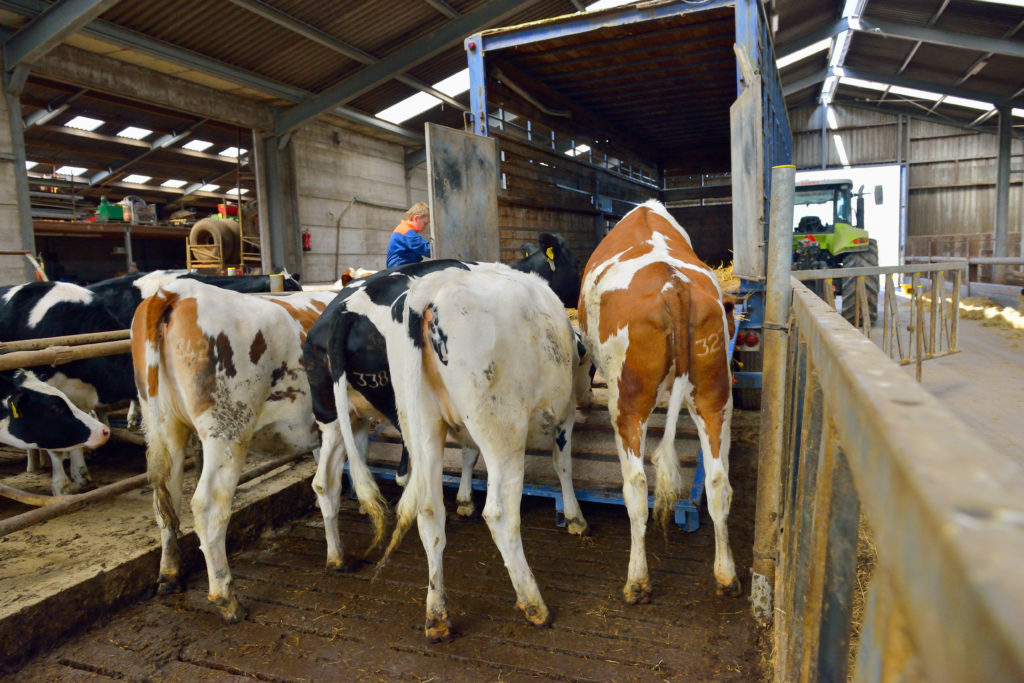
(499,378)
(346,348)
(653,317)
(229,367)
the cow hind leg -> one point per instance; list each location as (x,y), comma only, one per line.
(211,509)
(327,486)
(464,498)
(165,458)
(629,438)
(719,492)
(505,469)
(562,457)
(430,520)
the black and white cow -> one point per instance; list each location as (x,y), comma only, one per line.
(34,415)
(498,378)
(53,309)
(347,345)
(122,295)
(558,266)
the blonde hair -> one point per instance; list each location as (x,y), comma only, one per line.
(417,209)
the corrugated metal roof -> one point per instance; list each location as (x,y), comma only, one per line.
(940,62)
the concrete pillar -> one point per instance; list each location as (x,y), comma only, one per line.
(1003,188)
(15,208)
(282,216)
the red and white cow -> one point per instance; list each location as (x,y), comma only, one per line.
(499,378)
(653,318)
(229,367)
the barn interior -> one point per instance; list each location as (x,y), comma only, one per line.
(648,118)
(304,122)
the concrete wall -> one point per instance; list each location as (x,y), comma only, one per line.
(352,191)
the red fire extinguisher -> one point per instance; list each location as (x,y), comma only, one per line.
(307,241)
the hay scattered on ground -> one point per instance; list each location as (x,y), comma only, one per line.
(867,558)
(1009,321)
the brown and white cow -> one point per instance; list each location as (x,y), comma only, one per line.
(229,367)
(653,319)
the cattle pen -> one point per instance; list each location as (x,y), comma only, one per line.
(846,445)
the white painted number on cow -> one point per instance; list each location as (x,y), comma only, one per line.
(708,344)
(371,380)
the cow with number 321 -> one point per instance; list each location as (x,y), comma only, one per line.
(655,322)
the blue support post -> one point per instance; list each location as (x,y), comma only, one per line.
(477,84)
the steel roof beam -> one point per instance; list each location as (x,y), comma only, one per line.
(303,29)
(892,29)
(401,60)
(54,108)
(963,41)
(158,144)
(49,28)
(444,8)
(937,88)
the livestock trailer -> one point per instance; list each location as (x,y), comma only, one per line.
(580,118)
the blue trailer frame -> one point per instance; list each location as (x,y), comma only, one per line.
(753,39)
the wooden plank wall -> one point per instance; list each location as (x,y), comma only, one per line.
(545,191)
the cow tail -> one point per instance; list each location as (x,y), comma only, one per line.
(669,476)
(365,486)
(362,479)
(147,341)
(413,497)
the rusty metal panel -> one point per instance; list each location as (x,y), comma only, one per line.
(748,184)
(462,183)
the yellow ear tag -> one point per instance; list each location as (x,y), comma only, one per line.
(14,412)
(550,251)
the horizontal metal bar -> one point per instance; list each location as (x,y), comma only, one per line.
(998,260)
(836,273)
(67,340)
(954,550)
(516,36)
(59,355)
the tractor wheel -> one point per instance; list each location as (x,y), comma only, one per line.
(848,287)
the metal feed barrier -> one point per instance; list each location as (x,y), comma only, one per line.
(860,437)
(933,328)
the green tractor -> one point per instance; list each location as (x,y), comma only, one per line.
(826,237)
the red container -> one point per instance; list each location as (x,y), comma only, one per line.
(227,210)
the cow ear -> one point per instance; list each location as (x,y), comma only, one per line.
(547,241)
(13,404)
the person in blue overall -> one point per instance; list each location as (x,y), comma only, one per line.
(406,245)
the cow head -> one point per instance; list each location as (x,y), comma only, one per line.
(557,265)
(35,415)
(729,304)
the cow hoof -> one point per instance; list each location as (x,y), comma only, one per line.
(466,508)
(638,593)
(169,585)
(230,609)
(537,614)
(578,527)
(439,629)
(733,589)
(342,566)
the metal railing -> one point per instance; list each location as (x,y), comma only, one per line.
(932,330)
(861,437)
